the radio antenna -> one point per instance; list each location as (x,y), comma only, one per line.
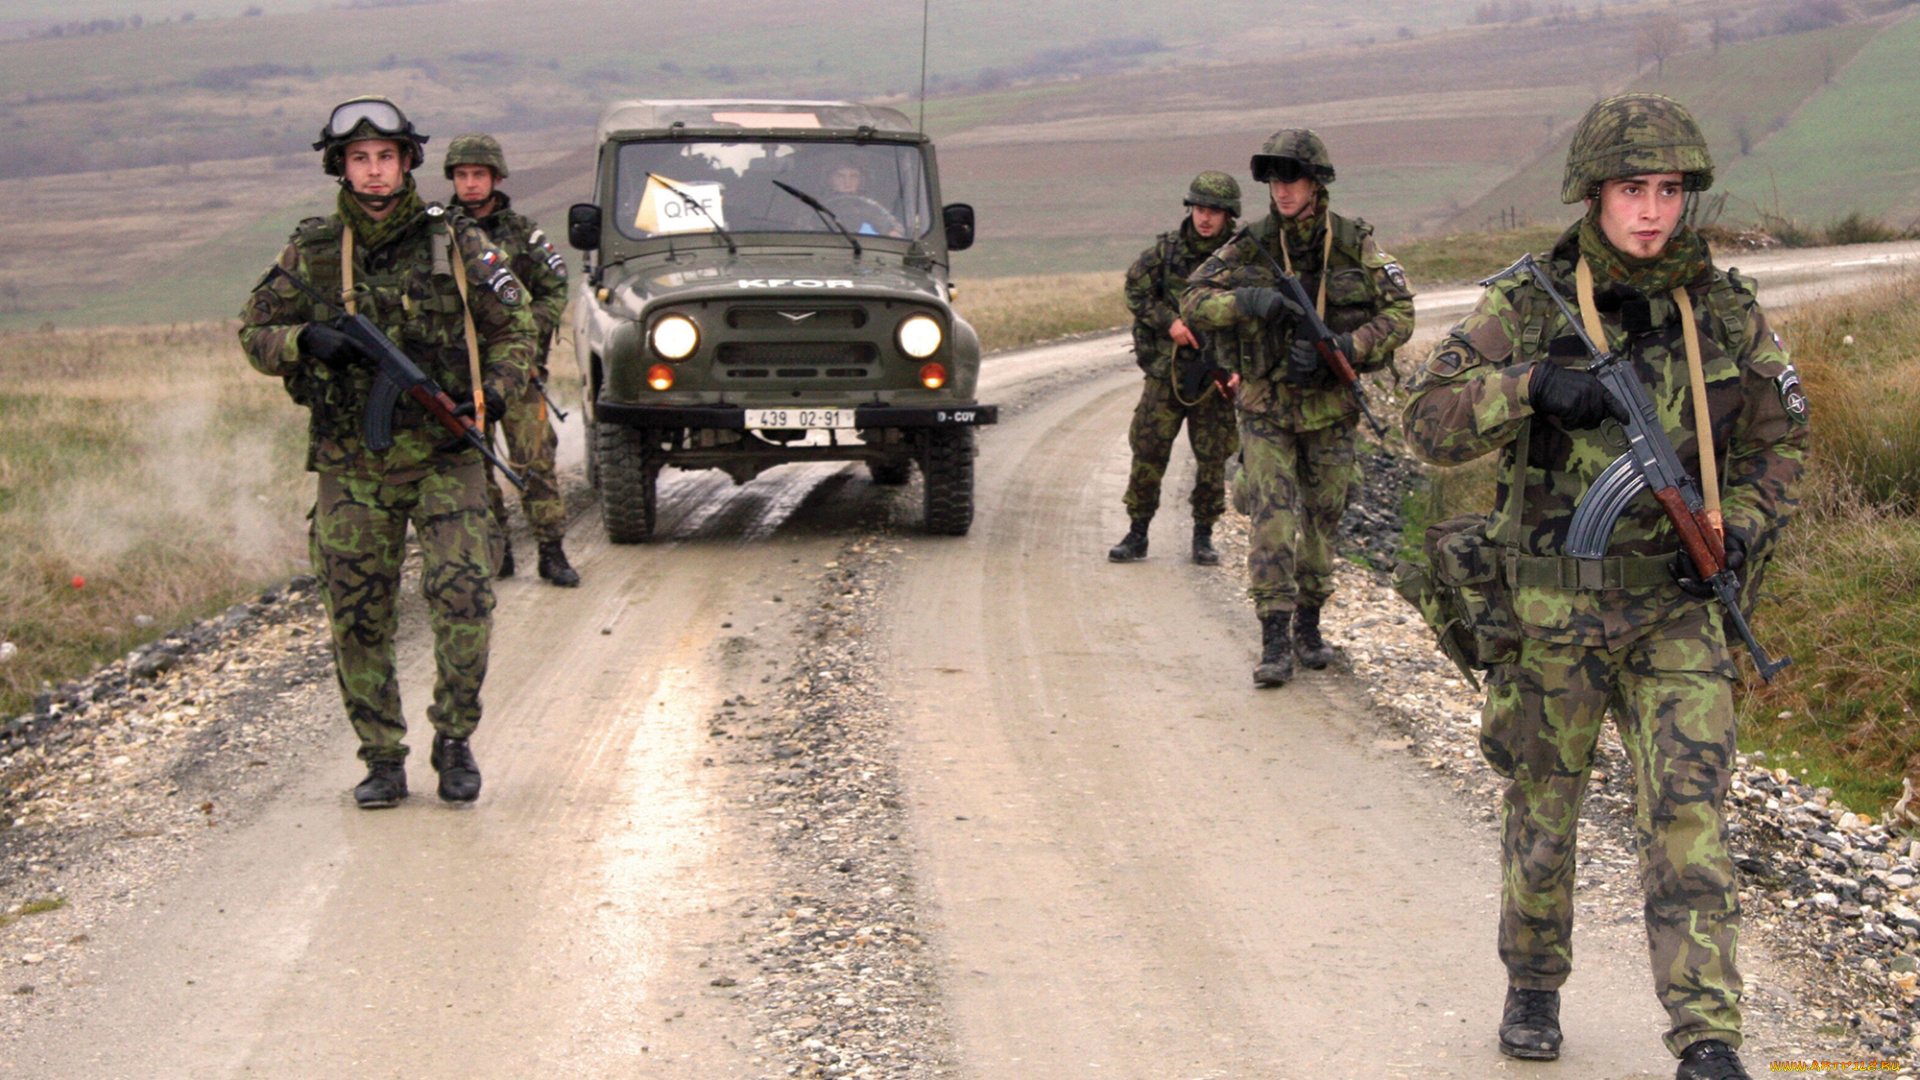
(925,9)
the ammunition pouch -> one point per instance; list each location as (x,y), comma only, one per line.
(1461,592)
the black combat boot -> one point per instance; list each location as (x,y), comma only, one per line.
(1530,1024)
(506,558)
(459,773)
(1276,651)
(1710,1059)
(385,785)
(1133,546)
(1203,550)
(1314,650)
(554,567)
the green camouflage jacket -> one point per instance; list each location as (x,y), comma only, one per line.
(1155,283)
(1471,399)
(420,310)
(1367,295)
(535,262)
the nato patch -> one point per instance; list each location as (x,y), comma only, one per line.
(1448,360)
(507,288)
(1398,276)
(1792,398)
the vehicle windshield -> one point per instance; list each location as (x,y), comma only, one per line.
(875,189)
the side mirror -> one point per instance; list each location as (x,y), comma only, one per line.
(583,226)
(959,220)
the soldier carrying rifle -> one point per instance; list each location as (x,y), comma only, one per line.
(1567,633)
(432,283)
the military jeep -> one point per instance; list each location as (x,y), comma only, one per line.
(767,283)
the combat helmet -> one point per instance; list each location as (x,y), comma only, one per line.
(1634,135)
(1216,190)
(1291,154)
(367,117)
(477,149)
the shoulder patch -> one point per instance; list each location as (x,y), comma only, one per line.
(1792,398)
(507,288)
(1396,274)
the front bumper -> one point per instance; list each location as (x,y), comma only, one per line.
(733,417)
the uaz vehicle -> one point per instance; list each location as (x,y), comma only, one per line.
(768,284)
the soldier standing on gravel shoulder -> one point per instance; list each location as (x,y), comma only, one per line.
(391,258)
(1633,631)
(1297,420)
(476,164)
(1163,346)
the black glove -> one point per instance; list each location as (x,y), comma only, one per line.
(329,346)
(496,405)
(1575,398)
(1305,364)
(1264,303)
(1687,575)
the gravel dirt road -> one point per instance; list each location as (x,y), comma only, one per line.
(795,791)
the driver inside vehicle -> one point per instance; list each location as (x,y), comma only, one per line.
(849,199)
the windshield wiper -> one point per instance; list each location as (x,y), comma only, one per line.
(695,203)
(826,215)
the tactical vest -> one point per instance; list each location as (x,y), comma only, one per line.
(406,288)
(1353,295)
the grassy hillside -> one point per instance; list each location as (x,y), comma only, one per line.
(1753,87)
(1852,146)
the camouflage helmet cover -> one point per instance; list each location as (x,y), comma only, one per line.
(1216,190)
(477,149)
(1300,144)
(1634,135)
(369,116)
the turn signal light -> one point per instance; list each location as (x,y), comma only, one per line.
(660,377)
(933,376)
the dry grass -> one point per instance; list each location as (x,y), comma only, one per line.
(1013,311)
(1464,258)
(147,476)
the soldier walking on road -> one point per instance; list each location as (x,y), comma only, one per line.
(1633,631)
(417,272)
(1297,420)
(1169,352)
(476,164)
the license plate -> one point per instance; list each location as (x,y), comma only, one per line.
(798,419)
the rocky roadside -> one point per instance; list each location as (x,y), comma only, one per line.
(1829,894)
(833,964)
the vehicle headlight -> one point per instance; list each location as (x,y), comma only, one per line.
(675,337)
(919,336)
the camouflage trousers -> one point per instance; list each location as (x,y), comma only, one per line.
(531,445)
(1156,426)
(1673,705)
(358,542)
(1293,487)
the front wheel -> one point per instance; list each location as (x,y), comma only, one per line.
(948,471)
(627,481)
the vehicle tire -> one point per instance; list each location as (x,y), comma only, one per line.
(948,470)
(890,473)
(627,482)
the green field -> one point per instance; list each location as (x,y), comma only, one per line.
(1753,84)
(1856,146)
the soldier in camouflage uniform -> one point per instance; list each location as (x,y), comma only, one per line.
(400,275)
(1297,420)
(1162,344)
(1636,633)
(476,164)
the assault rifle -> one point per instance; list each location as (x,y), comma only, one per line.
(399,375)
(1194,368)
(1650,464)
(1308,321)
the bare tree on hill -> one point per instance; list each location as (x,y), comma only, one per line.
(1658,38)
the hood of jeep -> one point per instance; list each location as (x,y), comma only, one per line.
(751,275)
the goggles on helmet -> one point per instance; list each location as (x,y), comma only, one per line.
(382,116)
(1268,168)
